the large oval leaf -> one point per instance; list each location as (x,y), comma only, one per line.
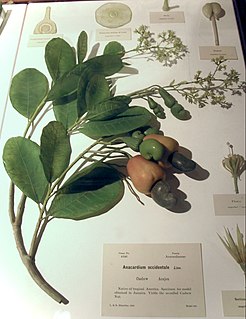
(114,47)
(67,85)
(81,92)
(82,46)
(97,90)
(64,88)
(59,57)
(132,118)
(21,158)
(55,150)
(106,109)
(89,193)
(106,65)
(28,91)
(67,113)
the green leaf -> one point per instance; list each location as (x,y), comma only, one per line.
(113,48)
(91,192)
(97,90)
(106,110)
(55,150)
(122,98)
(28,91)
(64,88)
(82,46)
(59,57)
(132,118)
(82,85)
(21,158)
(240,244)
(67,85)
(106,65)
(67,113)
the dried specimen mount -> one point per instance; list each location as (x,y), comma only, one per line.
(213,11)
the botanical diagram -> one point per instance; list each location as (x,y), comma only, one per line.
(113,15)
(213,11)
(167,7)
(235,164)
(46,25)
(127,146)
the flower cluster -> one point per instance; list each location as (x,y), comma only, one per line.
(166,47)
(213,87)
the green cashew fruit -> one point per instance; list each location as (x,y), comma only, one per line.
(152,149)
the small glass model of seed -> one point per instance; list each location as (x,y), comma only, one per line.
(235,164)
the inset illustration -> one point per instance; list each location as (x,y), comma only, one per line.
(213,11)
(46,26)
(113,15)
(167,7)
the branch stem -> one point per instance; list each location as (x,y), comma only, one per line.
(215,30)
(27,260)
(235,181)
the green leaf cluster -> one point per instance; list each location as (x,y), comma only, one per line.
(91,192)
(81,97)
(80,94)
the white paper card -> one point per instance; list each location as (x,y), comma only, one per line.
(40,40)
(211,52)
(234,303)
(153,280)
(167,17)
(113,34)
(229,204)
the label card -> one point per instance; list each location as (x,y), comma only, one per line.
(234,303)
(167,17)
(210,52)
(229,204)
(40,40)
(113,34)
(153,280)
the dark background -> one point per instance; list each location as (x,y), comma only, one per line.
(240,10)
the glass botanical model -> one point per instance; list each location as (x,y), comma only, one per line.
(126,146)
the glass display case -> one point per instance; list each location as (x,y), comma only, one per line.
(87,85)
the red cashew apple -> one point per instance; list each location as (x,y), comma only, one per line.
(144,174)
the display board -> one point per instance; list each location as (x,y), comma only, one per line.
(138,259)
